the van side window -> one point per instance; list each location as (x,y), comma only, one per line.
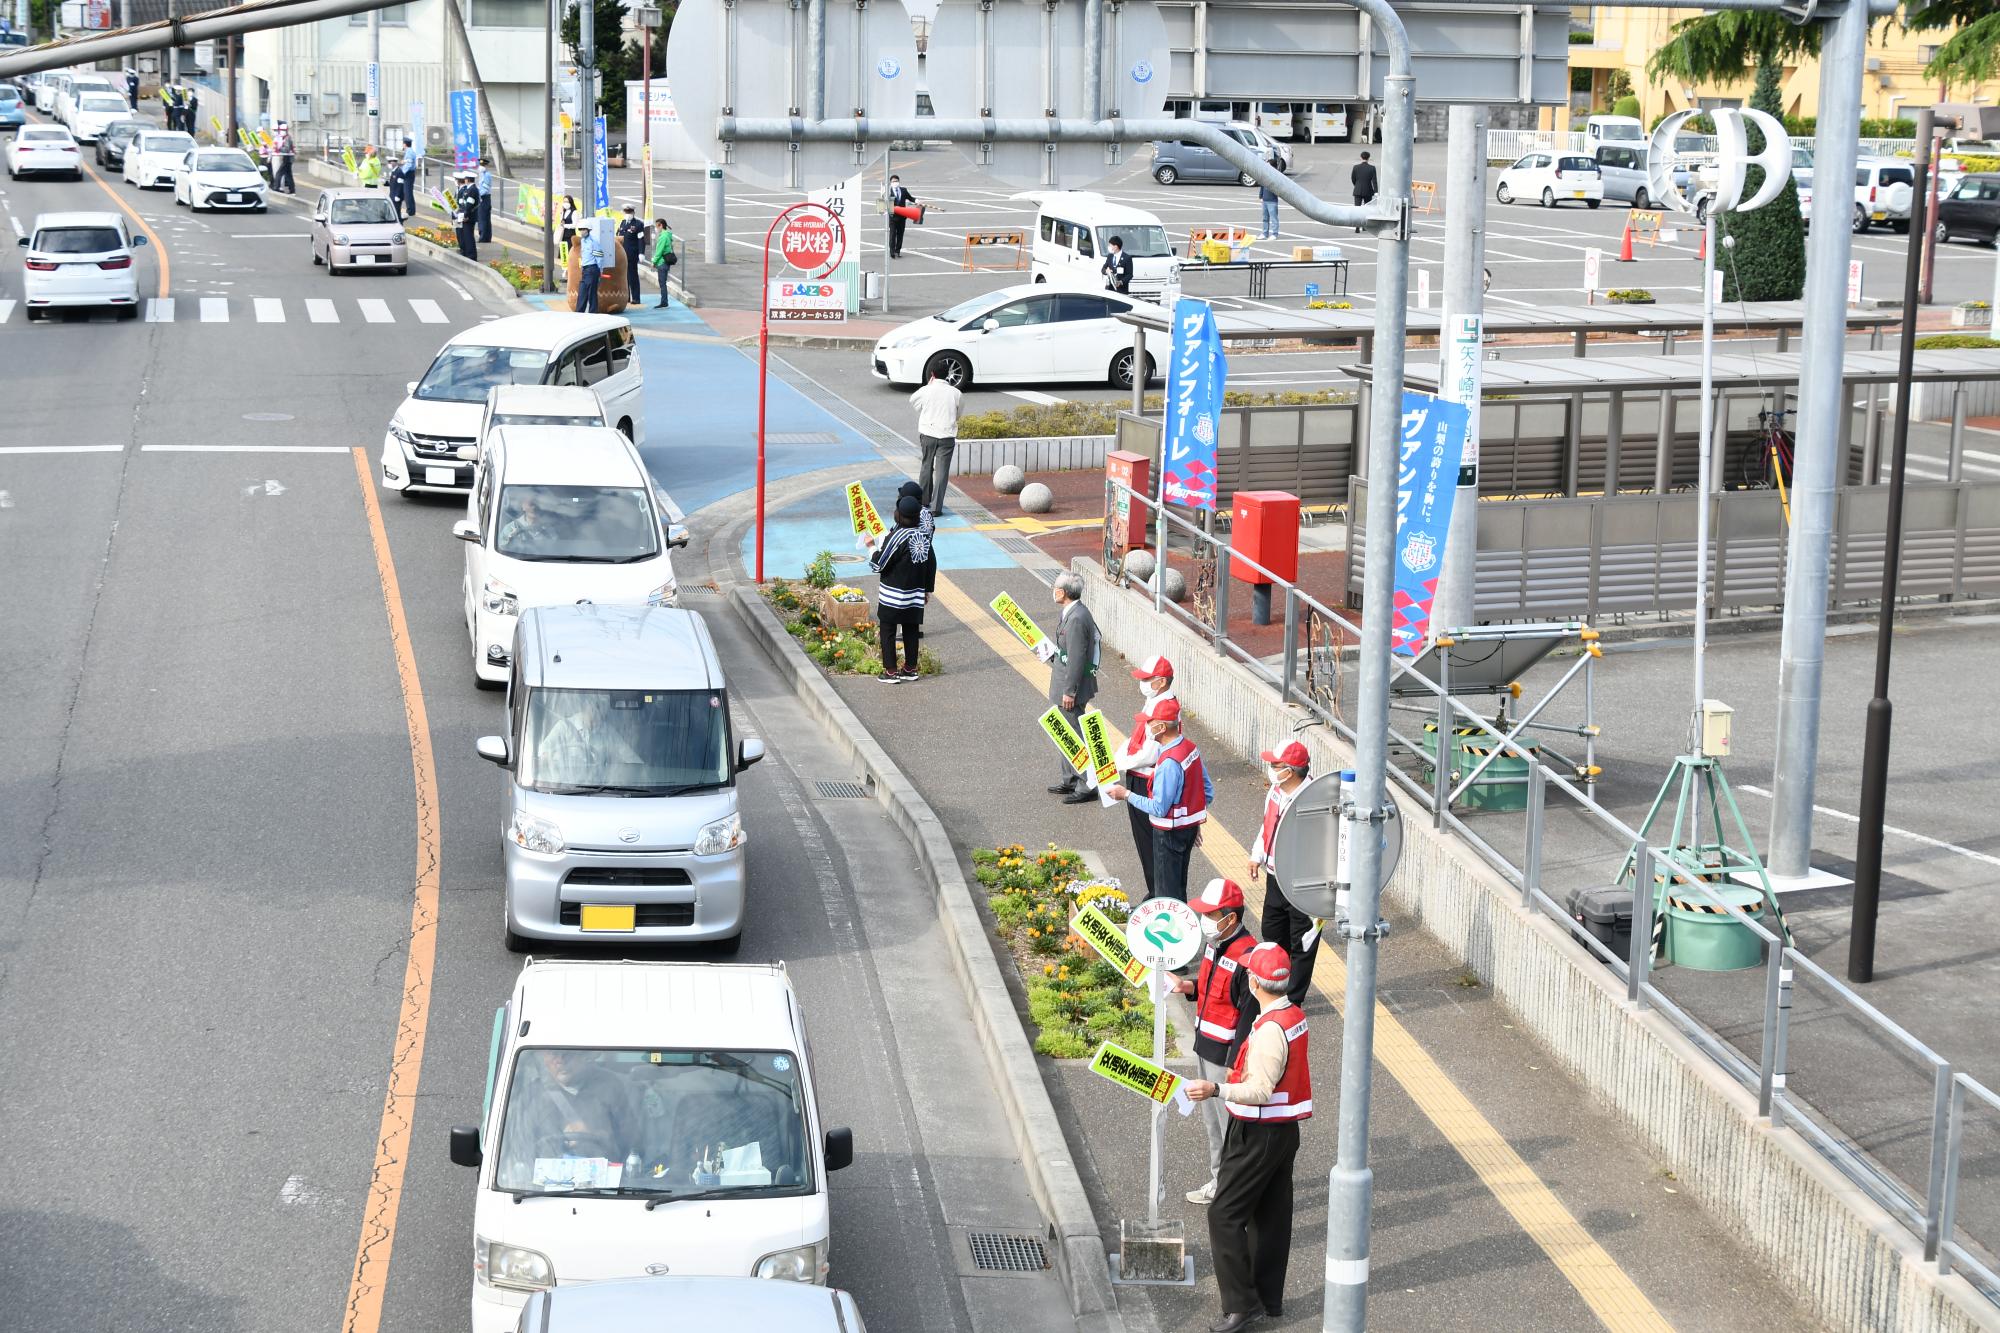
(621,349)
(488,466)
(593,360)
(1064,233)
(1083,245)
(1048,227)
(565,369)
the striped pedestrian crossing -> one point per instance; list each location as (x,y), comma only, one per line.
(266,310)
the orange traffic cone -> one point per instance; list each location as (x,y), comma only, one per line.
(1701,250)
(914,212)
(1625,245)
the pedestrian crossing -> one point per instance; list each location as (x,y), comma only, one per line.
(266,310)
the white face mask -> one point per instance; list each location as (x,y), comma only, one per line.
(1157,685)
(1210,927)
(1275,774)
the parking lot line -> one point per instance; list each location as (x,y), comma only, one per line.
(63,449)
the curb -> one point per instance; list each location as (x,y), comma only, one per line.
(477,272)
(1052,1176)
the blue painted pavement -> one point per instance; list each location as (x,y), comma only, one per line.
(795,534)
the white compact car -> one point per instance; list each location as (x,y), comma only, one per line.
(1028,334)
(219,178)
(560,514)
(1549,179)
(95,110)
(153,158)
(647,1118)
(43,150)
(79,259)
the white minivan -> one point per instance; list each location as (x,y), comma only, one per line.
(559,514)
(646,1118)
(420,450)
(1073,229)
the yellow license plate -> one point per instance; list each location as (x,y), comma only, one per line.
(1576,194)
(1881,217)
(609,916)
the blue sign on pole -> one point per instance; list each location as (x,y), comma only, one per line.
(465,127)
(1426,480)
(1195,379)
(600,166)
(417,121)
(1312,291)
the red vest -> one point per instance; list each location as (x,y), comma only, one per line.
(1193,807)
(1273,811)
(1292,1099)
(1215,1013)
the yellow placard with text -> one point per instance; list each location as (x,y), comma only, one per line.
(1097,740)
(1066,739)
(1134,1072)
(528,206)
(1014,618)
(861,512)
(1104,935)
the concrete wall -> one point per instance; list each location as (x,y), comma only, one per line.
(1852,1264)
(1041,454)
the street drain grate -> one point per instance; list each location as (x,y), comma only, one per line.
(1000,1252)
(846,791)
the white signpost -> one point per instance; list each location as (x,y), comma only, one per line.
(1163,933)
(1593,268)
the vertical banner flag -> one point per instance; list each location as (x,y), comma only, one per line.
(417,121)
(1460,379)
(465,127)
(646,183)
(1426,481)
(600,166)
(1195,379)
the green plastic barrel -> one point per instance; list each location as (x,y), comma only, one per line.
(1702,937)
(1503,785)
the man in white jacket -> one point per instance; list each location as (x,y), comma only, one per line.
(937,432)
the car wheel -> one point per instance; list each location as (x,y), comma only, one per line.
(952,367)
(1901,228)
(1503,194)
(1640,199)
(1548,197)
(1166,175)
(1121,369)
(1245,178)
(518,943)
(1041,277)
(317,261)
(1594,203)
(34,315)
(1943,233)
(1860,219)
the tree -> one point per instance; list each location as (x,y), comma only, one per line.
(618,58)
(1767,261)
(1971,55)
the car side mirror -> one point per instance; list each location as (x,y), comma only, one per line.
(465,530)
(468,453)
(748,752)
(676,536)
(1174,250)
(410,387)
(24,241)
(988,325)
(493,749)
(138,241)
(465,1145)
(839,1148)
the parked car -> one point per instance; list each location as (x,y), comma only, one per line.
(1177,160)
(13,107)
(656,1117)
(117,136)
(43,150)
(46,88)
(1020,335)
(1624,171)
(358,229)
(1883,190)
(219,178)
(77,260)
(1552,178)
(73,88)
(1973,210)
(1073,231)
(154,157)
(94,110)
(1601,130)
(650,1304)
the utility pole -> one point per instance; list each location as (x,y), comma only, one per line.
(549,150)
(233,48)
(173,47)
(374,76)
(646,17)
(586,78)
(1461,349)
(1881,711)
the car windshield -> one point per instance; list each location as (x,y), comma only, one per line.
(464,372)
(967,309)
(363,210)
(1141,242)
(663,1123)
(123,129)
(596,524)
(1577,163)
(102,102)
(78,240)
(1617,131)
(625,742)
(222,162)
(166,143)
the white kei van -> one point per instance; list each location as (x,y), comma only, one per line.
(646,1118)
(1624,130)
(421,448)
(1073,228)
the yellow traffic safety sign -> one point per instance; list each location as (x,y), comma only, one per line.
(1014,618)
(1101,933)
(1066,739)
(1097,740)
(1136,1073)
(861,512)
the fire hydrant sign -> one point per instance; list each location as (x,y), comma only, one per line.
(807,301)
(813,240)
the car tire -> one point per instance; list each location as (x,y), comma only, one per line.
(1860,220)
(1640,199)
(955,368)
(518,943)
(1503,194)
(1942,234)
(1245,178)
(1165,175)
(317,261)
(1548,197)
(1594,203)
(35,315)
(1120,373)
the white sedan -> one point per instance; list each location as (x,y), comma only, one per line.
(219,178)
(1020,335)
(43,150)
(1552,178)
(154,157)
(95,110)
(79,259)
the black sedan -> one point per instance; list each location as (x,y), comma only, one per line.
(111,143)
(1972,210)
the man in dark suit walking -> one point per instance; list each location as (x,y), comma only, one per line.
(1364,180)
(899,197)
(1073,682)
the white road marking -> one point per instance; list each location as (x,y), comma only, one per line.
(320,310)
(270,487)
(160,310)
(242,448)
(18,230)
(1939,843)
(428,311)
(375,310)
(270,236)
(463,294)
(63,449)
(6,311)
(270,310)
(214,310)
(1041,399)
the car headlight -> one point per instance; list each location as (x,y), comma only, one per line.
(397,239)
(900,343)
(499,599)
(724,835)
(510,1266)
(664,595)
(802,1263)
(536,835)
(400,431)
(339,239)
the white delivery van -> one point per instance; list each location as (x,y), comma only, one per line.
(1275,119)
(1073,229)
(1327,121)
(1625,130)
(646,1118)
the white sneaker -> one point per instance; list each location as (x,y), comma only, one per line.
(1206,1194)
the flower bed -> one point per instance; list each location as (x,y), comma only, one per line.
(1075,998)
(814,616)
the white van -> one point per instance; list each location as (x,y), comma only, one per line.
(1072,230)
(1626,130)
(1275,119)
(560,514)
(421,448)
(1328,121)
(645,1118)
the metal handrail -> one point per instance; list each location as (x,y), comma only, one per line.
(1932,1215)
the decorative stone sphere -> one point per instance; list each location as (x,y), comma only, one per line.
(1009,479)
(1139,565)
(1037,498)
(1176,585)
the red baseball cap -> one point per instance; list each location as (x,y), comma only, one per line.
(1291,754)
(1152,669)
(1164,710)
(1270,962)
(1221,895)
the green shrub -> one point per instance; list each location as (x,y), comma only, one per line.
(1628,294)
(820,573)
(1079,418)
(1062,1044)
(1928,341)
(1627,105)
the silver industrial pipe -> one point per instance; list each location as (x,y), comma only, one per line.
(1093,58)
(183,32)
(815,98)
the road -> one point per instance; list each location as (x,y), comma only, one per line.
(214,832)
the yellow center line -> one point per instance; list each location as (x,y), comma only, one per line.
(392,1145)
(1605,1287)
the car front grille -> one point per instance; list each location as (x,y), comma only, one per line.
(438,446)
(645,914)
(627,877)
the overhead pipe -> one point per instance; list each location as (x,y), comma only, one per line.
(171,34)
(1093,58)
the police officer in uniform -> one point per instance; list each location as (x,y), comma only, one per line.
(1223,1009)
(1135,761)
(1268,1092)
(465,212)
(1287,767)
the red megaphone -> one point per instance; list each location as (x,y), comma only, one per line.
(914,212)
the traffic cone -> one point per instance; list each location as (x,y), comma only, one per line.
(1701,250)
(914,212)
(1625,246)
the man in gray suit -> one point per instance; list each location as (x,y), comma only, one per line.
(1073,680)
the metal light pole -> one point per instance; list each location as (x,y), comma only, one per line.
(375,77)
(586,98)
(1461,345)
(233,48)
(1881,712)
(549,150)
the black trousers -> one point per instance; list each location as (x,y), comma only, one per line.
(1172,847)
(1287,925)
(281,174)
(934,470)
(1250,1221)
(910,621)
(632,274)
(1142,827)
(896,225)
(485,217)
(468,238)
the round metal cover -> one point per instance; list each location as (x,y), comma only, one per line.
(1163,933)
(1306,846)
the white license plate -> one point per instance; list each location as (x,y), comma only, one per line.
(369,259)
(235,198)
(439,476)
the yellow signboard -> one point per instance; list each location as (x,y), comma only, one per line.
(1014,618)
(528,207)
(861,513)
(1066,739)
(1108,938)
(1134,1072)
(1097,739)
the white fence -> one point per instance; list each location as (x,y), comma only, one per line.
(1506,145)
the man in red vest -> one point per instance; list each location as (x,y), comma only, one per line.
(1223,1010)
(1178,805)
(1287,768)
(1135,761)
(1267,1094)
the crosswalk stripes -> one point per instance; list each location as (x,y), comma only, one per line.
(160,310)
(427,312)
(375,310)
(214,310)
(270,310)
(6,309)
(278,310)
(320,310)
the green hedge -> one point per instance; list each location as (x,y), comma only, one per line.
(1932,341)
(1061,420)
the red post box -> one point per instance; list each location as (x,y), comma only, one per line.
(1265,527)
(1125,522)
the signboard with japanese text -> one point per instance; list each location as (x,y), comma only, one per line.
(1135,1073)
(1066,739)
(1464,350)
(861,513)
(1097,740)
(1433,442)
(1014,618)
(600,165)
(1196,375)
(807,301)
(1101,933)
(464,127)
